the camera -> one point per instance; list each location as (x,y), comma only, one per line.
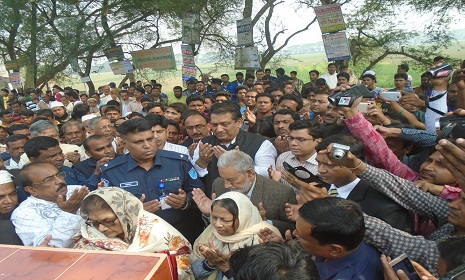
(452,127)
(439,72)
(347,98)
(339,152)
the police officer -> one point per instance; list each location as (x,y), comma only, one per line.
(162,179)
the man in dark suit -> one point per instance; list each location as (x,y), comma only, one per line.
(226,122)
(345,184)
(237,173)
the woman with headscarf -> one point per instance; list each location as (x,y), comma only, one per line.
(235,222)
(116,221)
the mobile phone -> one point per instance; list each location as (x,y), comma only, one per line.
(403,262)
(391,95)
(363,107)
(304,175)
(455,274)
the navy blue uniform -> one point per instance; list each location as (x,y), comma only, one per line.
(70,176)
(171,168)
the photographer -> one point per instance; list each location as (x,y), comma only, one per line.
(380,155)
(393,242)
(377,151)
(345,184)
(436,103)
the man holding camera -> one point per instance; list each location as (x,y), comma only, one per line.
(436,103)
(303,138)
(345,183)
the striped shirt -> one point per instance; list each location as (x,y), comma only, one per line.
(310,164)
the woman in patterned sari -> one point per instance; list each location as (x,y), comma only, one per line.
(116,221)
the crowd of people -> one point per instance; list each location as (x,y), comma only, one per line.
(263,177)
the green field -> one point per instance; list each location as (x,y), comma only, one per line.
(301,63)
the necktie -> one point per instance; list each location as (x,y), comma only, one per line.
(333,193)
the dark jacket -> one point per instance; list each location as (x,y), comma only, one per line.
(378,205)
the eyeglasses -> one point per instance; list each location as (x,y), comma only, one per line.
(105,127)
(299,140)
(52,178)
(96,224)
(196,127)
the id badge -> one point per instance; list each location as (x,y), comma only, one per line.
(163,203)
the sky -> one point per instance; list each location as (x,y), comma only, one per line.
(296,17)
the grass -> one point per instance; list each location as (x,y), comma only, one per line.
(302,63)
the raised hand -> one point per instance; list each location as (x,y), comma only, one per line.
(150,206)
(275,174)
(73,203)
(262,211)
(292,210)
(203,202)
(267,235)
(177,201)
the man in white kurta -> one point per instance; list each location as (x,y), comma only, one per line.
(52,208)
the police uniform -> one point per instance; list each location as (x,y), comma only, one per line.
(69,175)
(171,169)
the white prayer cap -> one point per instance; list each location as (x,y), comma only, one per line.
(5,177)
(56,104)
(371,72)
(88,117)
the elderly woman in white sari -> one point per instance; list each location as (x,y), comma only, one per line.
(235,222)
(116,221)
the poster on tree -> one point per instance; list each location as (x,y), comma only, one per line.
(188,73)
(187,55)
(336,46)
(330,18)
(158,59)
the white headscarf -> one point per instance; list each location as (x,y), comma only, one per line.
(250,223)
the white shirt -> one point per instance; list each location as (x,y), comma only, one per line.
(345,190)
(124,107)
(11,164)
(440,104)
(310,164)
(35,218)
(264,157)
(331,80)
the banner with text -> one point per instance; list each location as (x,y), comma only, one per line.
(121,67)
(244,32)
(187,55)
(336,46)
(158,59)
(330,18)
(114,53)
(188,73)
(247,58)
